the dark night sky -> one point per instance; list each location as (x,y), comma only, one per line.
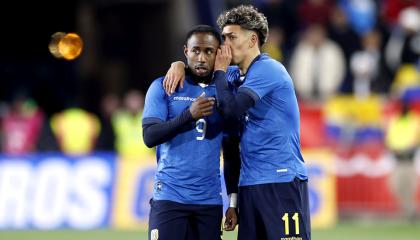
(129,31)
(26,26)
(25,62)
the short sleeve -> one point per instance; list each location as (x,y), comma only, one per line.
(155,105)
(260,80)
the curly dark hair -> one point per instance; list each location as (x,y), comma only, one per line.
(247,17)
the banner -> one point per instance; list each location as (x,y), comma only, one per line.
(52,191)
(322,187)
(55,191)
(134,189)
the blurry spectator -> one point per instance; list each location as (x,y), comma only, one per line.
(76,130)
(407,76)
(403,135)
(391,9)
(343,34)
(361,14)
(317,65)
(273,44)
(314,12)
(404,44)
(110,104)
(367,66)
(128,127)
(21,125)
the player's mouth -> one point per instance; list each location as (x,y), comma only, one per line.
(201,70)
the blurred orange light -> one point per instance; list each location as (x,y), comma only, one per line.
(68,46)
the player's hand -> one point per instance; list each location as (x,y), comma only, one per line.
(231,219)
(175,75)
(202,107)
(223,58)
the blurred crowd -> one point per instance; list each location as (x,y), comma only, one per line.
(25,128)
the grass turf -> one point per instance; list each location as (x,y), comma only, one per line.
(343,231)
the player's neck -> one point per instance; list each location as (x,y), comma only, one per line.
(197,79)
(205,80)
(244,65)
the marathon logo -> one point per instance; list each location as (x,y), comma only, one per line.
(178,98)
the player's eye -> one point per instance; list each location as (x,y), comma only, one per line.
(196,51)
(232,37)
(209,51)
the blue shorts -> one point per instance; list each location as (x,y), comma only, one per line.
(277,211)
(170,220)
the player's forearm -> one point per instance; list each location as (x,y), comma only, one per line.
(155,133)
(232,163)
(232,106)
(225,97)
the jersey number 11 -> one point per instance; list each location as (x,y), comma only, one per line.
(295,218)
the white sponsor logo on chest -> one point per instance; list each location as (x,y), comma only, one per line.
(180,98)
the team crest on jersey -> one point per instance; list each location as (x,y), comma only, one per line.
(154,234)
(158,186)
(246,117)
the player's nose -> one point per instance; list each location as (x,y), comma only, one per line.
(202,57)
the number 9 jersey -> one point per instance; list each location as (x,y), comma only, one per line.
(188,168)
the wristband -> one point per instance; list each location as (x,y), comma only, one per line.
(233,200)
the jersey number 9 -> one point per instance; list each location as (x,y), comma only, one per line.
(201,126)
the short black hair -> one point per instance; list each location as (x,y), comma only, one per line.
(203,29)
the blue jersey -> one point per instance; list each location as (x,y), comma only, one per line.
(188,166)
(270,142)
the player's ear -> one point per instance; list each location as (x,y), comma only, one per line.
(185,50)
(253,40)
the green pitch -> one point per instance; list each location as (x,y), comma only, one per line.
(343,231)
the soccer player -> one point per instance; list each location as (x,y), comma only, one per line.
(273,194)
(188,133)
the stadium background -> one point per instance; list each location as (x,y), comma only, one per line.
(88,188)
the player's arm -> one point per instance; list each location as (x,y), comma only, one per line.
(174,76)
(232,106)
(156,131)
(231,164)
(231,171)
